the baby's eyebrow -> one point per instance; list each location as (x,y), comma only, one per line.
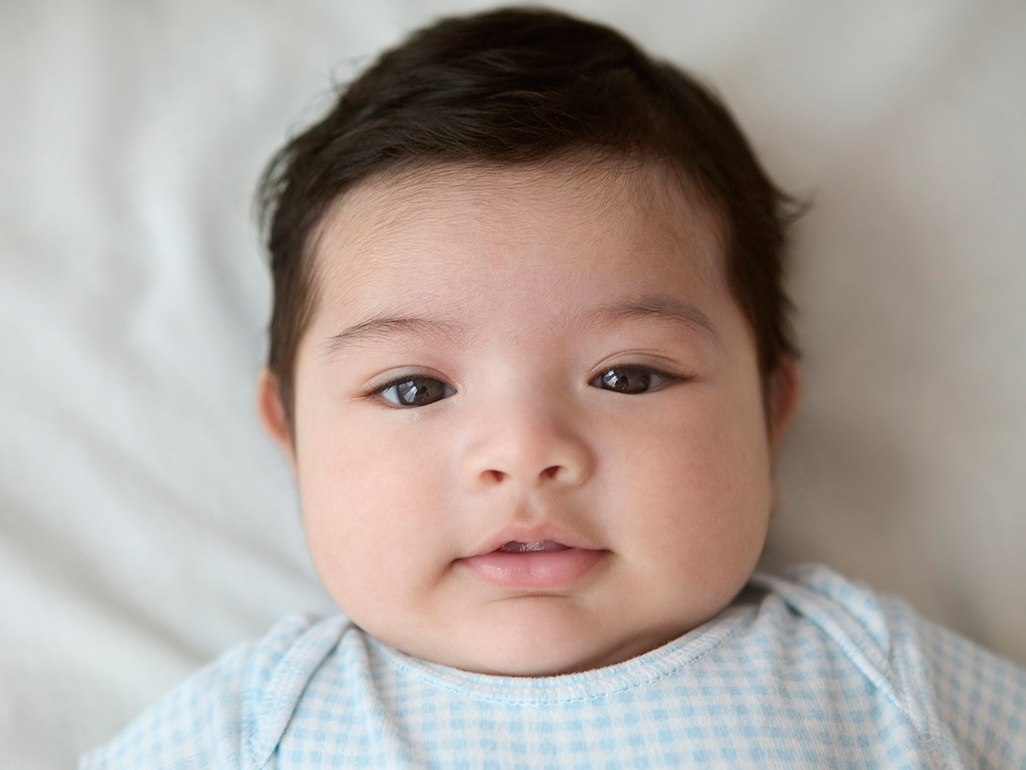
(387,327)
(670,308)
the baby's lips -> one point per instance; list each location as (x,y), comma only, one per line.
(546,538)
(534,546)
(546,570)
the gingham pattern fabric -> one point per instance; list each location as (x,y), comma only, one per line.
(809,671)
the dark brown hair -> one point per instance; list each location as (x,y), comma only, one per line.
(517,86)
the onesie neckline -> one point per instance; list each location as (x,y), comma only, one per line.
(566,688)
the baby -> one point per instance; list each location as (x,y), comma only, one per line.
(530,358)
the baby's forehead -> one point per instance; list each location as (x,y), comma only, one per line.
(579,174)
(427,202)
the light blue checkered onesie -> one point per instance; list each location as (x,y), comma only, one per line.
(808,671)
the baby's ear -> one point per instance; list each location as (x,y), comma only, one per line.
(272,413)
(784,389)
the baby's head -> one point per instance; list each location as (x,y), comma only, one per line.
(529,347)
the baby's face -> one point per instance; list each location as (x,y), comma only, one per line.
(529,433)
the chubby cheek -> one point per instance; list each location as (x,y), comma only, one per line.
(702,494)
(366,513)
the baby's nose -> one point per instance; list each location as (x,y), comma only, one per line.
(533,445)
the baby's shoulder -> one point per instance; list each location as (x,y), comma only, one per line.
(963,700)
(231,712)
(847,612)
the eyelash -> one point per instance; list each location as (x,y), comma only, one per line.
(646,373)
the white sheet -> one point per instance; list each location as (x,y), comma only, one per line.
(145,524)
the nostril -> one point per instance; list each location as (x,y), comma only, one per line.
(551,472)
(494,475)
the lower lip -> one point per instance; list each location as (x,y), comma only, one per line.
(539,569)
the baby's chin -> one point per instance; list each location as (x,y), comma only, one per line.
(540,650)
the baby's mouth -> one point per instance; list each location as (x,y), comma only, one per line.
(537,546)
(545,565)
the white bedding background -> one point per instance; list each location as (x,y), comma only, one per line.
(145,523)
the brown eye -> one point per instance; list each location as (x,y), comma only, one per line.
(416,391)
(630,380)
